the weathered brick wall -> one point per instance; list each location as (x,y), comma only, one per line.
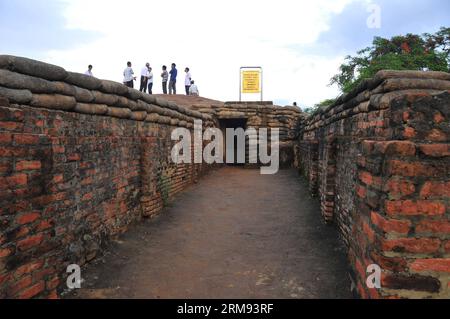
(80,160)
(382,175)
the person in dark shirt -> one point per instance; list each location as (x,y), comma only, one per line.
(173,79)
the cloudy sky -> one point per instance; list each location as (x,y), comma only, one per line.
(300,44)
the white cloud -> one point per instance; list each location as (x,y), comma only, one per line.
(213,38)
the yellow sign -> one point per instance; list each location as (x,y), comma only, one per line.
(251,82)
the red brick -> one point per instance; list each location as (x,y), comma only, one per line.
(5,168)
(58,149)
(32,291)
(412,245)
(13,181)
(53,283)
(396,264)
(390,225)
(437,227)
(436,136)
(5,138)
(58,179)
(407,169)
(447,247)
(26,139)
(400,148)
(435,150)
(44,225)
(28,165)
(11,126)
(368,231)
(28,268)
(368,147)
(435,265)
(30,242)
(27,218)
(400,188)
(19,285)
(39,123)
(414,208)
(74,157)
(11,151)
(88,196)
(6,252)
(438,117)
(361,191)
(4,278)
(366,178)
(435,189)
(362,291)
(42,274)
(409,132)
(87,181)
(360,269)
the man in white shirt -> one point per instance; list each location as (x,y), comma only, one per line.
(89,71)
(187,81)
(150,81)
(128,76)
(144,78)
(193,89)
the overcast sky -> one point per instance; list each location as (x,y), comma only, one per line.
(300,44)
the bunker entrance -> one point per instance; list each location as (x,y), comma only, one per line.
(234,124)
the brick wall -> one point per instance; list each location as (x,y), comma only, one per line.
(80,160)
(379,160)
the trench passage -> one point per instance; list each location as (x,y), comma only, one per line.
(237,234)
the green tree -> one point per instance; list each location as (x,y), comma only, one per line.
(320,106)
(408,52)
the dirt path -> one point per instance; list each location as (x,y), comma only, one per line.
(237,234)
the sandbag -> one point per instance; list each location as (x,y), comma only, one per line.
(151,108)
(16,96)
(139,116)
(32,67)
(164,120)
(153,117)
(83,81)
(386,74)
(162,103)
(123,102)
(64,88)
(54,101)
(4,101)
(134,94)
(141,106)
(103,98)
(150,99)
(172,105)
(390,85)
(94,109)
(112,87)
(83,95)
(15,80)
(119,112)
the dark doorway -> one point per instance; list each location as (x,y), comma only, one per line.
(233,124)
